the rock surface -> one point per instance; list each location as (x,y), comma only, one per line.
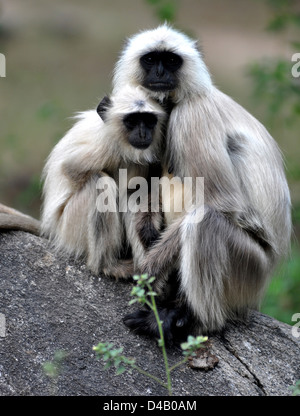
(50,303)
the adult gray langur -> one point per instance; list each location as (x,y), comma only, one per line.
(85,164)
(219,266)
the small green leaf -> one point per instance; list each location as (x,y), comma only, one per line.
(120,370)
(152,294)
(50,369)
(151,280)
(136,277)
(278,23)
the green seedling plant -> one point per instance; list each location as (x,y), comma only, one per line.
(52,369)
(143,293)
(296,389)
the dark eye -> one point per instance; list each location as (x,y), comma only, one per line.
(172,61)
(150,120)
(130,121)
(149,59)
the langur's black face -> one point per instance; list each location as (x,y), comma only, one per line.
(140,127)
(161,70)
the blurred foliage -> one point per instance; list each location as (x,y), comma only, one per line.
(286,13)
(273,80)
(30,191)
(165,10)
(33,192)
(282,299)
(296,389)
(276,87)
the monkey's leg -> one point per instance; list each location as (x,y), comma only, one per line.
(83,230)
(106,233)
(148,227)
(143,229)
(148,222)
(171,312)
(174,315)
(223,270)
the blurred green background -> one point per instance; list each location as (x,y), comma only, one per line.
(59,60)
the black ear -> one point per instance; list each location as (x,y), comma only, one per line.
(103,106)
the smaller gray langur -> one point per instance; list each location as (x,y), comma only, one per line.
(128,136)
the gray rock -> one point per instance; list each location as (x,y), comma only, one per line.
(50,303)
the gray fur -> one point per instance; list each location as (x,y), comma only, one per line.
(93,150)
(226,260)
